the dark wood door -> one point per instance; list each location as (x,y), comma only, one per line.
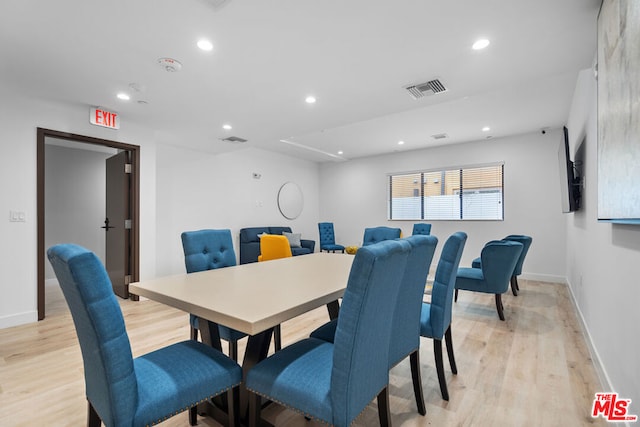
(118,222)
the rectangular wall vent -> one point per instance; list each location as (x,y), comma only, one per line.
(426,89)
(440,136)
(234,140)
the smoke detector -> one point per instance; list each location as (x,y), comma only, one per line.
(170,65)
(425,89)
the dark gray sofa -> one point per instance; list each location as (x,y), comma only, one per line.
(250,243)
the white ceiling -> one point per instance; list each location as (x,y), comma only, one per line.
(355,56)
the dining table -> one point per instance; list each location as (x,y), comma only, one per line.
(253,298)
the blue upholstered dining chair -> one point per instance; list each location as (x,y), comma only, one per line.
(421,228)
(334,382)
(405,336)
(208,250)
(121,390)
(328,238)
(378,234)
(498,261)
(526,243)
(435,320)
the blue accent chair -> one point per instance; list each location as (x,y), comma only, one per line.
(327,238)
(421,228)
(526,243)
(435,320)
(121,390)
(405,336)
(379,234)
(208,250)
(498,261)
(334,382)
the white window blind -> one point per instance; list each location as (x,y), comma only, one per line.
(471,193)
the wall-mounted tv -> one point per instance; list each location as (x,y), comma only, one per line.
(569,182)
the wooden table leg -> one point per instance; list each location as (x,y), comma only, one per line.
(210,333)
(257,350)
(217,409)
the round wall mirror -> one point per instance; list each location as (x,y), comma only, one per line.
(290,200)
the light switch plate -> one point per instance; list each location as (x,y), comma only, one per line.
(16,216)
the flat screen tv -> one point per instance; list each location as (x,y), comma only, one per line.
(569,182)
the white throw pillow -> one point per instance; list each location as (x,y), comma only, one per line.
(294,239)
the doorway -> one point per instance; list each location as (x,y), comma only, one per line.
(130,245)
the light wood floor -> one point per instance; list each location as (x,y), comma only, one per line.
(534,369)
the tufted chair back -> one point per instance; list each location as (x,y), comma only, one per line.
(106,351)
(444,284)
(208,249)
(327,235)
(378,234)
(421,228)
(405,337)
(361,347)
(121,390)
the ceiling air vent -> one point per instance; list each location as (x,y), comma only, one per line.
(440,136)
(426,89)
(217,4)
(233,140)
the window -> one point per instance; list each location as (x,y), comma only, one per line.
(474,193)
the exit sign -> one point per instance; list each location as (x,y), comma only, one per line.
(104,118)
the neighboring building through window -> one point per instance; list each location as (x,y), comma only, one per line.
(470,193)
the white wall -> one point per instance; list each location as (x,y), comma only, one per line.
(184,190)
(602,261)
(20,117)
(354,196)
(198,190)
(190,190)
(75,183)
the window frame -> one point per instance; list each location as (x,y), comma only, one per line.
(459,191)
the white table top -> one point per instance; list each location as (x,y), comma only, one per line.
(254,297)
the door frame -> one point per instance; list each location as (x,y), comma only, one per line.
(42,134)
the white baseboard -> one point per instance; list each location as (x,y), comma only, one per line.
(603,377)
(18,319)
(543,277)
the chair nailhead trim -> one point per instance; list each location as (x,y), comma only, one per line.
(291,407)
(305,414)
(166,417)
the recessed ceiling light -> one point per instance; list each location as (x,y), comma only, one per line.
(400,142)
(123,96)
(340,152)
(480,44)
(310,99)
(205,45)
(226,127)
(486,129)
